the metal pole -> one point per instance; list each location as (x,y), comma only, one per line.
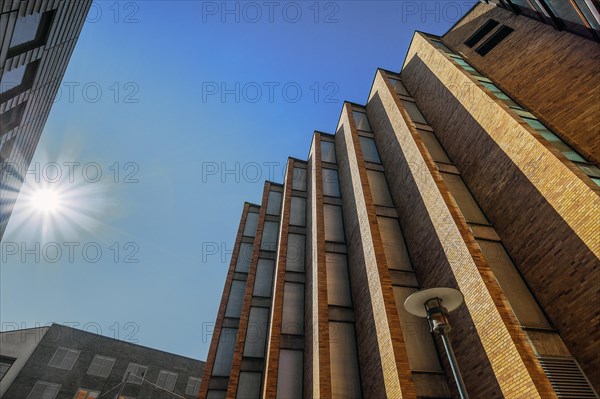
(454,366)
(123,385)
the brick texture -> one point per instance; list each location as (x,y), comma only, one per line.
(442,257)
(555,73)
(545,213)
(274,338)
(384,364)
(212,352)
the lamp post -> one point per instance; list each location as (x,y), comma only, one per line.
(435,304)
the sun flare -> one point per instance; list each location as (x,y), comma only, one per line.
(46,201)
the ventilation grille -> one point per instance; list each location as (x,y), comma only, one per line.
(566,378)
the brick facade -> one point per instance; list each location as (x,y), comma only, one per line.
(542,210)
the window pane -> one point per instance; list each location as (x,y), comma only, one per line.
(420,348)
(442,46)
(590,12)
(414,112)
(107,365)
(345,377)
(554,140)
(590,170)
(399,87)
(295,253)
(491,87)
(244,258)
(379,189)
(331,186)
(369,149)
(212,394)
(394,247)
(264,277)
(292,320)
(70,359)
(12,78)
(495,38)
(564,10)
(362,123)
(256,335)
(101,366)
(51,391)
(135,373)
(433,146)
(524,114)
(327,152)
(298,211)
(25,29)
(251,223)
(299,182)
(464,65)
(522,3)
(274,203)
(58,357)
(269,237)
(193,386)
(10,120)
(44,390)
(289,381)
(500,94)
(6,149)
(480,33)
(338,280)
(520,298)
(171,381)
(64,358)
(166,380)
(334,223)
(224,356)
(38,390)
(249,385)
(140,373)
(236,299)
(537,125)
(465,201)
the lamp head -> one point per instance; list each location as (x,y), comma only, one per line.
(435,304)
(437,316)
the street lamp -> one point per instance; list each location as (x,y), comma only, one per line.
(435,304)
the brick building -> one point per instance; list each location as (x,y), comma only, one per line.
(59,362)
(37,39)
(475,167)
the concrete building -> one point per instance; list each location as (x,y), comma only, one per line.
(60,362)
(37,38)
(475,167)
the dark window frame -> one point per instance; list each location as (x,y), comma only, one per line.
(494,40)
(5,151)
(583,29)
(480,33)
(41,36)
(26,84)
(6,127)
(541,11)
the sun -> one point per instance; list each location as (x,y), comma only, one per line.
(46,201)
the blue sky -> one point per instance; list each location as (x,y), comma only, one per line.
(185,109)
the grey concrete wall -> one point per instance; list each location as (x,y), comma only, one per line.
(18,344)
